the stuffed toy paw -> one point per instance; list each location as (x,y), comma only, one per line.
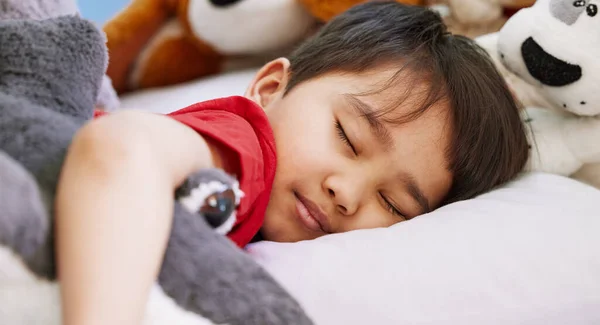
(552,138)
(560,144)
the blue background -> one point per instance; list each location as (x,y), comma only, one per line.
(100,11)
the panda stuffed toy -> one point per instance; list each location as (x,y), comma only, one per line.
(549,54)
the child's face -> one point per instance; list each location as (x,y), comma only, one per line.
(327,183)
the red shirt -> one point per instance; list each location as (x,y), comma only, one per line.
(242,131)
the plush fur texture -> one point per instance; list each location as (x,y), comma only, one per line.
(22,226)
(50,74)
(107,98)
(201,263)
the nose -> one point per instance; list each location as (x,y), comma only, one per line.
(223,3)
(345,195)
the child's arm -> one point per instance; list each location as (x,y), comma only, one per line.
(114,210)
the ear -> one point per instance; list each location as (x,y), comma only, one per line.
(269,82)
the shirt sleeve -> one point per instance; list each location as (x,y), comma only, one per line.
(241,130)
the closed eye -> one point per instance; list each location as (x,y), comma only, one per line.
(391,207)
(342,134)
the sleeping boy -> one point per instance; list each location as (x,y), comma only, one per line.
(379,118)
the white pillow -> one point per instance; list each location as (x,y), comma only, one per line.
(528,253)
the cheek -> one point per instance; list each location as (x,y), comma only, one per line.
(304,144)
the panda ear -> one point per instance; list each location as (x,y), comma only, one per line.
(567,11)
(269,82)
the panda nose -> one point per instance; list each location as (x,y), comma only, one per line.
(546,68)
(223,3)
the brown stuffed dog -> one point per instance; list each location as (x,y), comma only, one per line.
(155,43)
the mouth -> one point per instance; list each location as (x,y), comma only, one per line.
(311,215)
(546,68)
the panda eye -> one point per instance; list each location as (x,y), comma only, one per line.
(579,3)
(592,10)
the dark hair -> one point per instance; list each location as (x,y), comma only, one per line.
(488,146)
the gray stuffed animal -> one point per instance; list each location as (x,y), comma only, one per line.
(107,98)
(50,73)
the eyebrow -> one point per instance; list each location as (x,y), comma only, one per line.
(379,131)
(415,192)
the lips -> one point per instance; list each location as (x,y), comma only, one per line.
(311,215)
